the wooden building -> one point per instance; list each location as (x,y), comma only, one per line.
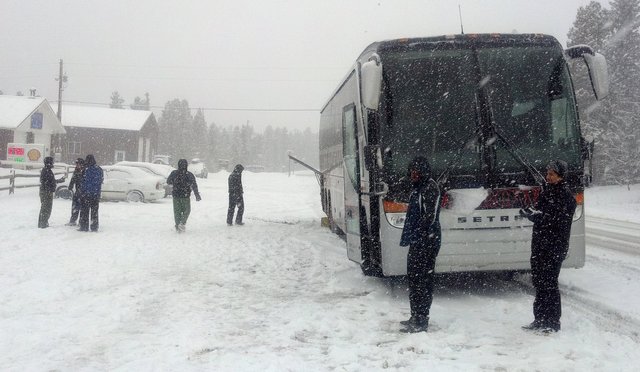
(111,135)
(29,120)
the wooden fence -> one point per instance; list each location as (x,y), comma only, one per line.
(12,180)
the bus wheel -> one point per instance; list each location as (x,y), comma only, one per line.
(370,269)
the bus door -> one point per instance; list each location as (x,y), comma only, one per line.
(352,182)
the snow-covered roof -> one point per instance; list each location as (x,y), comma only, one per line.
(103,118)
(14,110)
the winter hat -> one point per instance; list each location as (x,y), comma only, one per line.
(421,165)
(560,167)
(48,161)
(90,160)
(238,168)
(80,161)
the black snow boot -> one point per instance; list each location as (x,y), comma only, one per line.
(408,322)
(549,328)
(534,326)
(418,325)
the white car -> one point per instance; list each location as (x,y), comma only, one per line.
(131,184)
(197,167)
(162,159)
(160,170)
(124,183)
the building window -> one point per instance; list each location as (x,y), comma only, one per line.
(73,148)
(36,120)
(30,137)
(119,155)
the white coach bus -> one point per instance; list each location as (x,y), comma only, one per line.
(489,111)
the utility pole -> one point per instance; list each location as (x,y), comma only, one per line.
(60,79)
(460,14)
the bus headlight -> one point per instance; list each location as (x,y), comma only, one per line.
(396,219)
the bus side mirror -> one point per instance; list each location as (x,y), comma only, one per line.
(587,145)
(371,82)
(597,66)
(598,73)
(372,157)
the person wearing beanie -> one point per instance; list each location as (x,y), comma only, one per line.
(91,189)
(76,181)
(183,182)
(236,197)
(552,216)
(47,188)
(422,233)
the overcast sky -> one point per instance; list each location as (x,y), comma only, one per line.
(232,54)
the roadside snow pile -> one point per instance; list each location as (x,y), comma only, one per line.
(614,202)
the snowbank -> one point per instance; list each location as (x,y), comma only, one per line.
(614,202)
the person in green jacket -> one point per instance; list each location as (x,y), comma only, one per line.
(183,182)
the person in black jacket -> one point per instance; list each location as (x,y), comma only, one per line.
(183,182)
(235,195)
(76,181)
(552,216)
(47,188)
(422,234)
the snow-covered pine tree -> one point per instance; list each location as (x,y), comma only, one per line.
(614,121)
(198,136)
(622,132)
(141,104)
(174,123)
(116,100)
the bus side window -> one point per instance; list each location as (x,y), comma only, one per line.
(350,144)
(559,122)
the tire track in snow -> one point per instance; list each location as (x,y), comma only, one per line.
(605,317)
(621,236)
(614,266)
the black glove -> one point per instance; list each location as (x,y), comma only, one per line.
(198,198)
(525,212)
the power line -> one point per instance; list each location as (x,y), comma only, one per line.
(27,65)
(201,79)
(208,108)
(195,67)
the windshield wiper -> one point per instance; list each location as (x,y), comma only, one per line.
(444,176)
(537,176)
(491,128)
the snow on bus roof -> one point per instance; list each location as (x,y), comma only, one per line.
(104,118)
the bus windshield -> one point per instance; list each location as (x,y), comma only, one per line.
(431,107)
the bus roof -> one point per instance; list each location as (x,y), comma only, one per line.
(461,39)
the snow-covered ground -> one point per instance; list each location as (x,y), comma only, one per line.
(614,202)
(278,294)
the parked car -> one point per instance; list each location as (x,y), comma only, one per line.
(162,159)
(160,170)
(125,183)
(254,168)
(131,184)
(197,167)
